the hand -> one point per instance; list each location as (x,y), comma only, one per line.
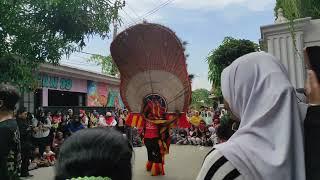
(313,88)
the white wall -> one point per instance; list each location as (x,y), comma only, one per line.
(279,43)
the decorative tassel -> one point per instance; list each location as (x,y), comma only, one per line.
(157,169)
(149,166)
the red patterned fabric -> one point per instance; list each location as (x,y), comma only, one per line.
(151,130)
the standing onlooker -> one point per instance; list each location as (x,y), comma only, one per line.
(75,125)
(84,118)
(41,130)
(63,127)
(121,121)
(25,129)
(312,127)
(56,120)
(57,142)
(10,159)
(70,115)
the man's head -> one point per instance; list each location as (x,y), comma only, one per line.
(22,113)
(70,112)
(9,97)
(108,114)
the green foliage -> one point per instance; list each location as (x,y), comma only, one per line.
(224,55)
(106,63)
(37,31)
(200,97)
(294,9)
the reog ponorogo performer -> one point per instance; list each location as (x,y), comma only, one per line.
(155,86)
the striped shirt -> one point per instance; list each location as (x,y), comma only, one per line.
(217,167)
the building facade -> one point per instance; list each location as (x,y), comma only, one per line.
(69,86)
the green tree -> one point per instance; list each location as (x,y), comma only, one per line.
(106,63)
(36,31)
(294,9)
(224,55)
(200,97)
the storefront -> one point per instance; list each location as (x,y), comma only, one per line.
(69,86)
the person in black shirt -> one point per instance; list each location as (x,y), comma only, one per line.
(25,129)
(10,159)
(312,128)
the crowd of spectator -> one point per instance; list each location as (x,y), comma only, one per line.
(207,128)
(43,134)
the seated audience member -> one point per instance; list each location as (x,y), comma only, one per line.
(57,142)
(196,119)
(37,160)
(84,118)
(182,137)
(110,120)
(213,136)
(96,152)
(102,121)
(269,142)
(207,138)
(49,156)
(190,134)
(195,138)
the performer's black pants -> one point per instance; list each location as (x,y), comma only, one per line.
(25,157)
(153,149)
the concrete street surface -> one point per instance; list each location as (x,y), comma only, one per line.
(183,163)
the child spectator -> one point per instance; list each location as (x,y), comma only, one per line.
(57,142)
(182,137)
(38,160)
(49,156)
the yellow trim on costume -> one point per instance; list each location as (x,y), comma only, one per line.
(134,121)
(139,122)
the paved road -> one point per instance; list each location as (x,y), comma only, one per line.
(183,163)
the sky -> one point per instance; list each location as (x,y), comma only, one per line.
(202,23)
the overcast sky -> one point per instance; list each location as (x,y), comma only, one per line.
(203,23)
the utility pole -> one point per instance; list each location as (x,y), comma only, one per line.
(115,30)
(114,70)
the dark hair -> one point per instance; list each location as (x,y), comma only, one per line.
(224,131)
(95,152)
(21,110)
(10,97)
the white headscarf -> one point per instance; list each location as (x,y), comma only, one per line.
(269,142)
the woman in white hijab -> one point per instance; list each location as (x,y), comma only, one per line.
(269,142)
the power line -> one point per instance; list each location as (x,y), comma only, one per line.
(128,16)
(154,10)
(134,12)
